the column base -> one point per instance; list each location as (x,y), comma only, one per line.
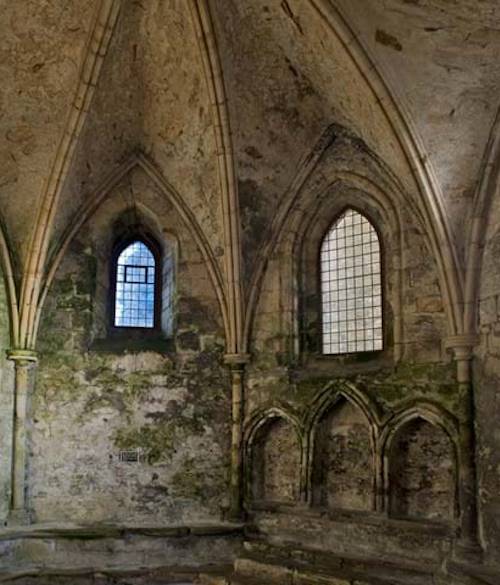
(18,517)
(467,550)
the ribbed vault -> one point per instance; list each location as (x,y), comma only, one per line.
(228,99)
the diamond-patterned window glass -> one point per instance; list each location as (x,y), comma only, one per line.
(351,286)
(135,287)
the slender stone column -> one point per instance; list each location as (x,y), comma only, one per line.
(237,363)
(468,546)
(23,361)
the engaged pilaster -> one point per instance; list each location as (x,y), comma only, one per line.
(237,363)
(468,546)
(24,361)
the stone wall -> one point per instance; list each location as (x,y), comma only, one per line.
(486,385)
(422,474)
(6,405)
(343,474)
(276,462)
(101,392)
(378,432)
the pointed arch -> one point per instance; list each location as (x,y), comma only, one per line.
(351,278)
(325,488)
(428,411)
(269,469)
(335,391)
(87,210)
(136,283)
(432,207)
(401,467)
(306,167)
(7,267)
(301,206)
(488,185)
(97,46)
(262,416)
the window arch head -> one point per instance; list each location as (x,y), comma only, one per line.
(135,302)
(351,286)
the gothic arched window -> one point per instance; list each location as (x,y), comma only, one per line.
(351,286)
(135,299)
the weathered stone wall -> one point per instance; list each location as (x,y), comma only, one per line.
(40,61)
(302,81)
(6,405)
(343,473)
(422,473)
(486,386)
(441,63)
(287,311)
(151,97)
(276,463)
(366,445)
(96,396)
(349,409)
(80,555)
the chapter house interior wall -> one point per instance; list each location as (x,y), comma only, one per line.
(169,400)
(223,445)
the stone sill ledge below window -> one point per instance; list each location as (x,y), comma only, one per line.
(133,340)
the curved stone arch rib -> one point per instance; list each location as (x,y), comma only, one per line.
(262,417)
(10,286)
(487,187)
(327,400)
(305,169)
(432,208)
(387,198)
(209,51)
(97,47)
(101,194)
(432,414)
(428,411)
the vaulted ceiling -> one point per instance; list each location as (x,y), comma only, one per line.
(87,84)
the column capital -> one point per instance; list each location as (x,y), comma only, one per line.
(22,355)
(462,345)
(236,360)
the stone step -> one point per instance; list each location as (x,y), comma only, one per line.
(275,573)
(303,560)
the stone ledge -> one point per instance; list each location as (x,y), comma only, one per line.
(355,517)
(304,559)
(168,574)
(249,570)
(82,549)
(96,531)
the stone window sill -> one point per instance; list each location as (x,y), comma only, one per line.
(131,340)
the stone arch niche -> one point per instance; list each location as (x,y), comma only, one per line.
(275,462)
(422,471)
(343,462)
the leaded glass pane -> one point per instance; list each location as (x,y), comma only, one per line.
(135,287)
(351,291)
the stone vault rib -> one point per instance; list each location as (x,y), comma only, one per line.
(97,47)
(436,221)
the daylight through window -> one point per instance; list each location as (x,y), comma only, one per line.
(351,287)
(135,287)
